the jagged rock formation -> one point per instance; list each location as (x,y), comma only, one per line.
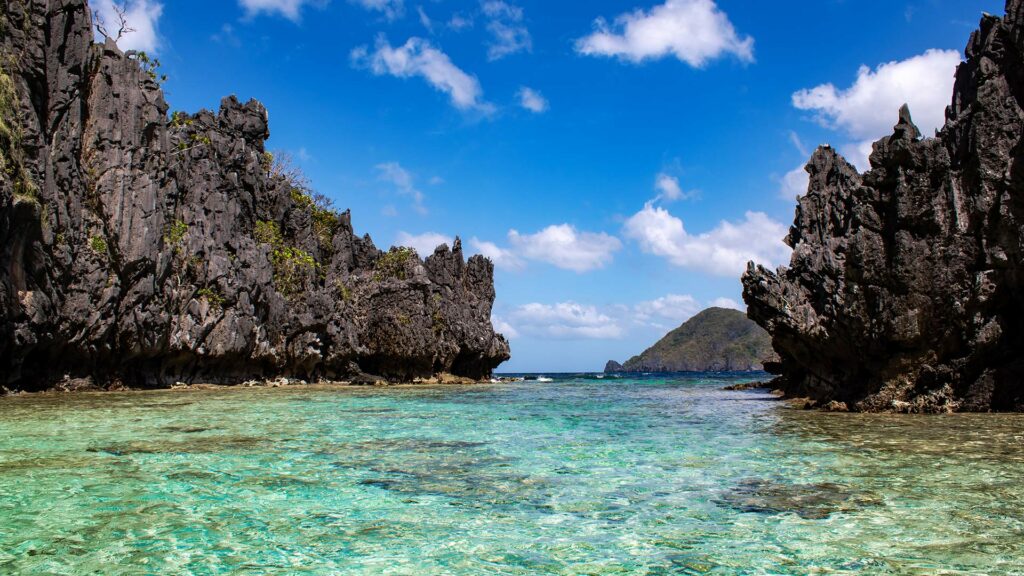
(145,249)
(906,287)
(716,340)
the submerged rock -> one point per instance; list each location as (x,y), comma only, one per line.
(810,501)
(147,249)
(906,287)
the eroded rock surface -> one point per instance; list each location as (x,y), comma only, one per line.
(906,287)
(141,248)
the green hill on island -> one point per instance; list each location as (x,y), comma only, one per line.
(717,339)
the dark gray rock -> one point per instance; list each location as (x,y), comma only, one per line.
(612,367)
(906,287)
(133,245)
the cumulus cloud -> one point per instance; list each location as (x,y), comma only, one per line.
(532,100)
(728,303)
(391,9)
(403,181)
(576,321)
(675,307)
(794,183)
(501,257)
(565,247)
(503,327)
(290,9)
(505,24)
(723,251)
(669,189)
(425,243)
(867,110)
(565,321)
(142,16)
(693,31)
(418,57)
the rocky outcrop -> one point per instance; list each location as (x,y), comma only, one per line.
(147,249)
(906,287)
(715,340)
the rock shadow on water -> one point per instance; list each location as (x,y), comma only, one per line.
(809,501)
(200,445)
(414,445)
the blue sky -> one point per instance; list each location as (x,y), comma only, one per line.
(619,160)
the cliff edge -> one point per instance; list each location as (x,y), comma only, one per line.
(906,287)
(144,249)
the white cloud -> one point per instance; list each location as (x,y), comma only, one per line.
(391,9)
(669,189)
(575,321)
(794,183)
(425,243)
(402,179)
(508,34)
(501,257)
(425,20)
(694,31)
(867,110)
(459,22)
(565,321)
(140,15)
(417,57)
(728,303)
(675,307)
(532,100)
(723,251)
(290,9)
(504,328)
(567,248)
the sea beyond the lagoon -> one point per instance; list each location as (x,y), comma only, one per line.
(583,474)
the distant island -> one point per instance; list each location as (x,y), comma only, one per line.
(715,340)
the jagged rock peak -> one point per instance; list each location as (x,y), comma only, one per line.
(905,291)
(146,249)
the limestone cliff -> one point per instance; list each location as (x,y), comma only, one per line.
(906,287)
(149,249)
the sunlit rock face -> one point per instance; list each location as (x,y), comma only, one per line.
(148,249)
(904,292)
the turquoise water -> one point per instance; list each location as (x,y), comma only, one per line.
(578,476)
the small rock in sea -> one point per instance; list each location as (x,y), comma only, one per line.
(809,501)
(836,406)
(745,386)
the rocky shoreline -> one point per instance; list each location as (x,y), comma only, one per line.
(142,248)
(905,292)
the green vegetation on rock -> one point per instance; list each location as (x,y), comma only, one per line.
(98,245)
(292,266)
(392,265)
(326,220)
(717,339)
(12,166)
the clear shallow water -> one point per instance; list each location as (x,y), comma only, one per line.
(663,475)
